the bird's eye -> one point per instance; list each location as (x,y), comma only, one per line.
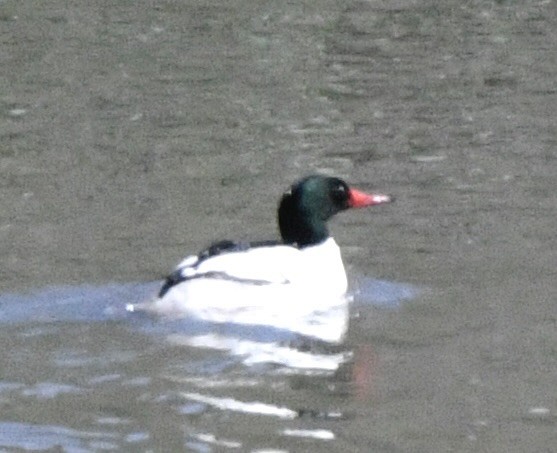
(339,192)
(340,189)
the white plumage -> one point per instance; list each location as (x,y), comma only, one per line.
(302,290)
(298,284)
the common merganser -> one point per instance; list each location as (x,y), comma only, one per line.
(298,284)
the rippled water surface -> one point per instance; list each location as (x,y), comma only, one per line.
(132,134)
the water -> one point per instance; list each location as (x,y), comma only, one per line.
(75,346)
(134,135)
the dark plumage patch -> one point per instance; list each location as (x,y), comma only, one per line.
(173,279)
(215,249)
(227,246)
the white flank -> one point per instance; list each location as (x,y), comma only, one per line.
(302,291)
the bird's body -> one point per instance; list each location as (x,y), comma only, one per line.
(298,284)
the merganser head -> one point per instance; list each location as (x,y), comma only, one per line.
(306,207)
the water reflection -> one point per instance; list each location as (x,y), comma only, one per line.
(43,311)
(116,357)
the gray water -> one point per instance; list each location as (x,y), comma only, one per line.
(134,133)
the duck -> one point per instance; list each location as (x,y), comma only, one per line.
(297,283)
